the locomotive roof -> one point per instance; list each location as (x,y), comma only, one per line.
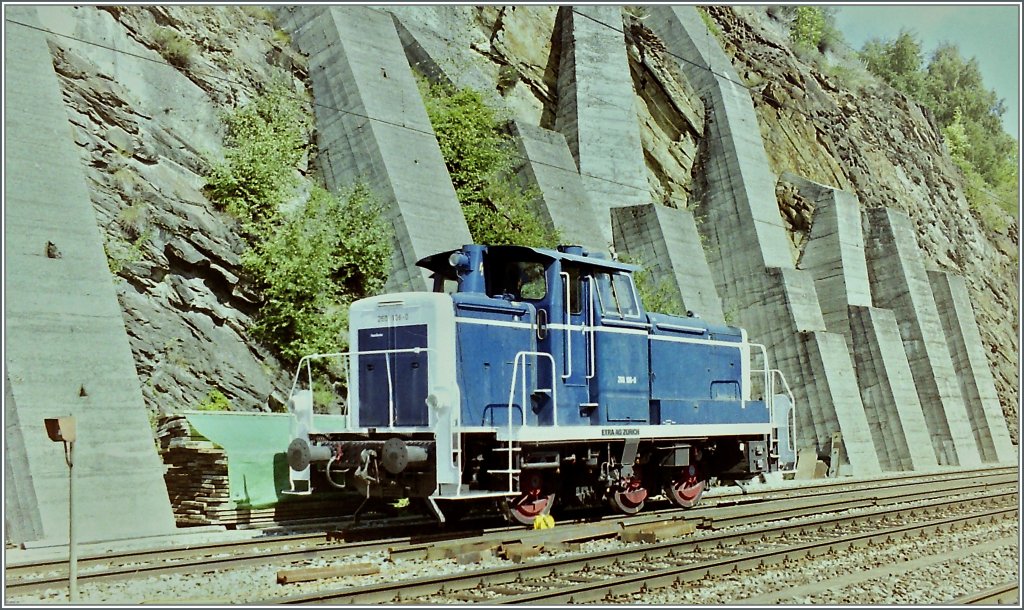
(439,262)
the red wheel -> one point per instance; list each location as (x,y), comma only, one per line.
(629,501)
(532,503)
(527,507)
(686,490)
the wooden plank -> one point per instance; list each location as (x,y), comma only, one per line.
(654,532)
(474,556)
(306,574)
(414,552)
(667,532)
(517,553)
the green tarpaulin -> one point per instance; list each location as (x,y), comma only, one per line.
(255,445)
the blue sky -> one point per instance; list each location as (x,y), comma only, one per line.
(988,32)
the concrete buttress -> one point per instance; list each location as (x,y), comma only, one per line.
(899,282)
(972,371)
(834,254)
(749,252)
(666,241)
(67,351)
(596,110)
(372,125)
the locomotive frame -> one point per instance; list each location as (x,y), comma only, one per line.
(531,374)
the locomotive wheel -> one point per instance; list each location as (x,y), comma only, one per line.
(532,502)
(686,490)
(527,507)
(629,501)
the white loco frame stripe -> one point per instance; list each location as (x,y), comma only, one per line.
(542,434)
(599,329)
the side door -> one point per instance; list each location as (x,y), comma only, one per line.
(621,359)
(571,346)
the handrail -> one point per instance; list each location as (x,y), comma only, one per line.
(521,357)
(769,390)
(792,408)
(306,362)
(568,323)
(770,375)
(591,371)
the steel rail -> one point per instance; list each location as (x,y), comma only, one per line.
(254,554)
(192,558)
(575,568)
(27,568)
(729,516)
(1005,593)
(625,584)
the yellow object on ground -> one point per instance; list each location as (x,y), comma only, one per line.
(543,522)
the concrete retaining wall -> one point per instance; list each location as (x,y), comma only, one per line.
(563,204)
(596,112)
(834,254)
(67,351)
(665,240)
(750,255)
(372,125)
(899,282)
(965,348)
(887,390)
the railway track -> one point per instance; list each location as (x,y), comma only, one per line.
(604,575)
(725,510)
(1005,593)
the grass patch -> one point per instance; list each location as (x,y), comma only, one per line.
(172,46)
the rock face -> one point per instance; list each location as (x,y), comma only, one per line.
(148,130)
(144,87)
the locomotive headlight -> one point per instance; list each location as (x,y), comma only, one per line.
(458,260)
(438,400)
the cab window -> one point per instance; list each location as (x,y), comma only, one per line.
(521,280)
(617,295)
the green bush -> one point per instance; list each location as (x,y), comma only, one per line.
(808,27)
(121,253)
(215,401)
(481,161)
(658,294)
(312,265)
(307,264)
(265,140)
(709,22)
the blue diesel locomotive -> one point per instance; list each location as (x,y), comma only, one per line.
(531,374)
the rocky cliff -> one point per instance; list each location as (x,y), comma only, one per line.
(145,88)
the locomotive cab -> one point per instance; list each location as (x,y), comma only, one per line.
(529,374)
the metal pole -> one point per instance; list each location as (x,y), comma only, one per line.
(72,539)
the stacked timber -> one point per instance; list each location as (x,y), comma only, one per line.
(197,473)
(199,490)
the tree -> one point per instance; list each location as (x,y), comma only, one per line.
(952,83)
(896,62)
(968,113)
